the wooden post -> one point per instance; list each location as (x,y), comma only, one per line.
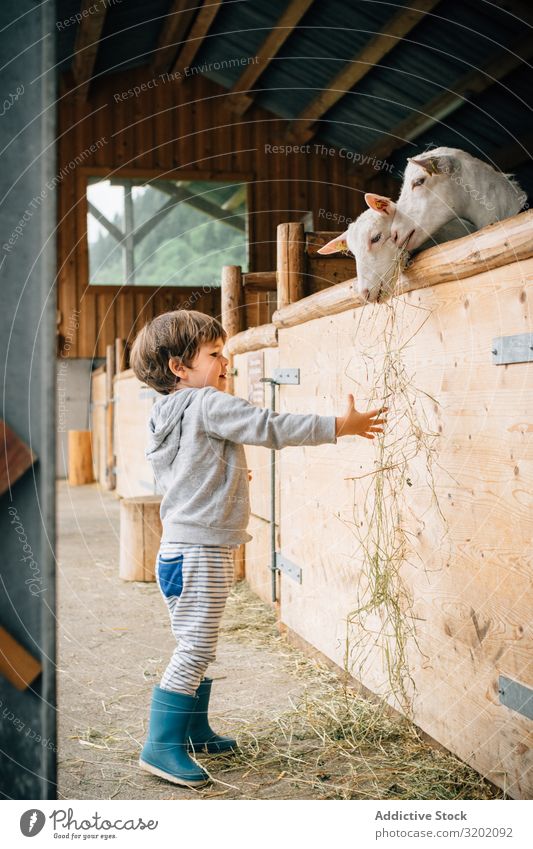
(140,535)
(290,263)
(232,310)
(110,480)
(120,355)
(80,458)
(231,296)
(238,563)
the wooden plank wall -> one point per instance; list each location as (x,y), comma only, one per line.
(468,570)
(133,402)
(180,126)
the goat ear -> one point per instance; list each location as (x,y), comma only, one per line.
(436,164)
(380,204)
(339,243)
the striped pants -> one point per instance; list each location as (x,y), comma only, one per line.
(195,581)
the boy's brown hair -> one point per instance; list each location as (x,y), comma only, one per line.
(179,334)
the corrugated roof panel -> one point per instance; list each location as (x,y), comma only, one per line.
(238,31)
(417,70)
(331,35)
(498,122)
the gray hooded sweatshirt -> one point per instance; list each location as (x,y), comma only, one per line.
(195,445)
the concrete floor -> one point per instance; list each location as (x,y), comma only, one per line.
(115,641)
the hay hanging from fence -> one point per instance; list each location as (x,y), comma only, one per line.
(382,622)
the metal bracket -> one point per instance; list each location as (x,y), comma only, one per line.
(286,376)
(512,349)
(288,568)
(516,696)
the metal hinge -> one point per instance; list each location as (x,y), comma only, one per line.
(516,696)
(512,349)
(286,376)
(288,568)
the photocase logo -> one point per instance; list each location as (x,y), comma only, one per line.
(32,822)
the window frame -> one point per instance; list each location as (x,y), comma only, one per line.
(82,180)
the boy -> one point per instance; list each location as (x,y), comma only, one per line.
(196,437)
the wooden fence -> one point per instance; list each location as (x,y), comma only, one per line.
(415,549)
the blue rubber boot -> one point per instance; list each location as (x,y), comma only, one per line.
(202,738)
(165,751)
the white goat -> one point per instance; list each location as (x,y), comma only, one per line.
(447,183)
(378,258)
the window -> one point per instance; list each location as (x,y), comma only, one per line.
(164,232)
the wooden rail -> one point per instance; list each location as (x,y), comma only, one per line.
(494,246)
(253,339)
(498,244)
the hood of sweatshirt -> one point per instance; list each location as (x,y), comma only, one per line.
(164,428)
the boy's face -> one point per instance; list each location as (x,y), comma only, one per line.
(208,367)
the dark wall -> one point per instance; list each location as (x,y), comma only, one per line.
(27,340)
(183,129)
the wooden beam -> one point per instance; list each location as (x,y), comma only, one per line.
(141,232)
(277,37)
(107,173)
(498,244)
(329,301)
(86,45)
(444,104)
(237,199)
(253,339)
(260,281)
(398,26)
(182,195)
(111,228)
(201,26)
(173,32)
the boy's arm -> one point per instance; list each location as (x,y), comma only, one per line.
(228,417)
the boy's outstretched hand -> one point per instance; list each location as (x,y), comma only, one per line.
(359,424)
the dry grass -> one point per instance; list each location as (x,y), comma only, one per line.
(337,743)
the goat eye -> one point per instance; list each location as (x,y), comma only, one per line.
(375,238)
(419,182)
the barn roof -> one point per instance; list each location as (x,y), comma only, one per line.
(376,78)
